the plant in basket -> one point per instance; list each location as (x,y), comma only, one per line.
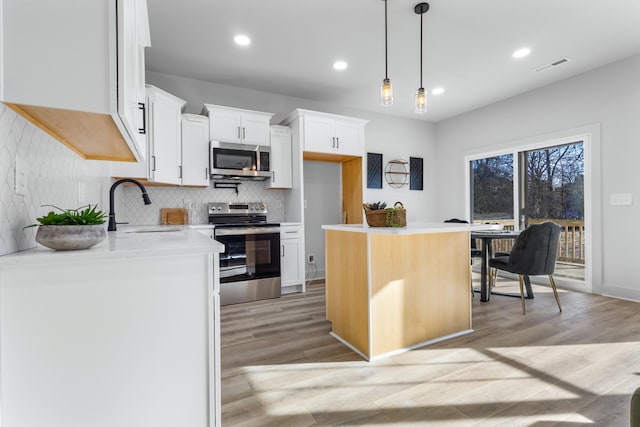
(379,215)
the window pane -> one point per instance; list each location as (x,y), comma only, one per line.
(555,183)
(492,189)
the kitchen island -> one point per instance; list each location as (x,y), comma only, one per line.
(389,290)
(125,333)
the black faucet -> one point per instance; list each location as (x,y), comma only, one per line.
(112,213)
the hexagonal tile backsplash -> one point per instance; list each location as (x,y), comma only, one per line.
(54,174)
(132,210)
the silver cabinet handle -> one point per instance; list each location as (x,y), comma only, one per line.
(206,173)
(337,142)
(273,176)
(153,162)
(243,133)
(283,251)
(238,132)
(180,172)
(333,142)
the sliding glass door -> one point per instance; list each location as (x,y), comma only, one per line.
(535,185)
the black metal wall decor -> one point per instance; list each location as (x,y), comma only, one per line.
(374,170)
(395,173)
(416,173)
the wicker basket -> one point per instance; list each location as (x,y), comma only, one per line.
(390,217)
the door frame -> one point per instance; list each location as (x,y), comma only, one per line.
(590,135)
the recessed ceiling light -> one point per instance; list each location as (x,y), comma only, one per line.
(340,65)
(438,91)
(242,40)
(521,53)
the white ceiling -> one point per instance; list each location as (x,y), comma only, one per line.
(467,47)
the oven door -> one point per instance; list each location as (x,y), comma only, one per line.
(250,264)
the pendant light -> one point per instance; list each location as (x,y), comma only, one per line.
(386,89)
(421,96)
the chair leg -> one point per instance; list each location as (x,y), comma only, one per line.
(471,280)
(493,274)
(555,291)
(521,280)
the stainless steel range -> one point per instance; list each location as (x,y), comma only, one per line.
(250,264)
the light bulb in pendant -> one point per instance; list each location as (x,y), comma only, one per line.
(421,101)
(386,93)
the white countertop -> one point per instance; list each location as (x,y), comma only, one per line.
(412,228)
(184,240)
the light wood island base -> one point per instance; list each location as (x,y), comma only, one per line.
(389,291)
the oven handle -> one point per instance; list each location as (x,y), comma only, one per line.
(244,231)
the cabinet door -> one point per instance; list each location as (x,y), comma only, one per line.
(347,138)
(195,146)
(255,129)
(164,138)
(225,125)
(318,135)
(280,158)
(133,37)
(292,262)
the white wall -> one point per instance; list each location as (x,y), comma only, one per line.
(322,188)
(608,97)
(53,173)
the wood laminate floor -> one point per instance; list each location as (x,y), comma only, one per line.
(280,367)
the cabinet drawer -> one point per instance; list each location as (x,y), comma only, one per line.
(291,231)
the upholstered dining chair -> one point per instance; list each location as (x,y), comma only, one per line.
(533,254)
(475,252)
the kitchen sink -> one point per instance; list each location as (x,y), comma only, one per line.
(150,229)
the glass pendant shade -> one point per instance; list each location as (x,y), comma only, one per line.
(421,101)
(386,93)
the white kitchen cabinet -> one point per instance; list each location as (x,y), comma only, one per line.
(330,133)
(280,158)
(292,275)
(237,126)
(195,149)
(164,135)
(126,335)
(76,70)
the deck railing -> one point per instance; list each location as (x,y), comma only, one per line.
(571,246)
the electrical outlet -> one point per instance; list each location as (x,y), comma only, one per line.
(311,258)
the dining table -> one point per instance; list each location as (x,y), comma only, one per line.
(487,237)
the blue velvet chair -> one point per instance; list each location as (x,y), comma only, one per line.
(534,253)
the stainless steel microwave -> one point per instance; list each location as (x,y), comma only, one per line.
(238,161)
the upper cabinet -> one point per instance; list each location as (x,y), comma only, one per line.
(76,70)
(164,141)
(195,148)
(237,126)
(329,133)
(280,158)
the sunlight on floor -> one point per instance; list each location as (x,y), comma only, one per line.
(452,385)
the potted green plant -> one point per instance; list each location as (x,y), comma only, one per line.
(71,229)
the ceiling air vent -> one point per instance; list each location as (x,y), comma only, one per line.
(553,64)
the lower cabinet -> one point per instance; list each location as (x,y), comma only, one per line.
(292,262)
(120,340)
